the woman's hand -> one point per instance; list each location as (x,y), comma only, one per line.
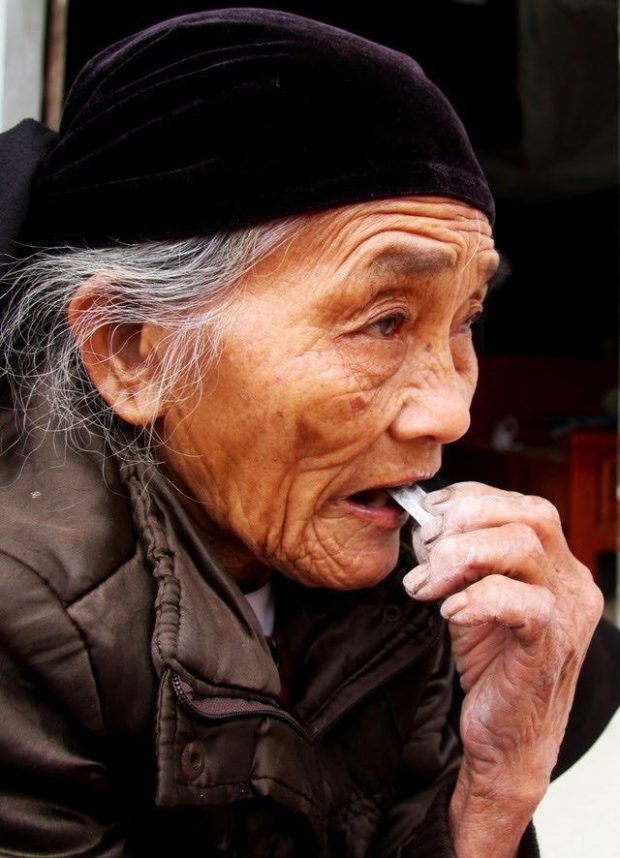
(522,610)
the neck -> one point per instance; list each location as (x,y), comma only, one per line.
(238,561)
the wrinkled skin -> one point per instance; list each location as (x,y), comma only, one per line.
(522,611)
(349,364)
(342,381)
(346,367)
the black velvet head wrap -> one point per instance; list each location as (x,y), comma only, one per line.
(228,118)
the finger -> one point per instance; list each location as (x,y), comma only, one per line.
(455,561)
(467,488)
(526,609)
(474,506)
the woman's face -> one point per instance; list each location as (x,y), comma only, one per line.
(348,365)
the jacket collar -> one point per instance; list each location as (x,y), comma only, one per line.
(207,633)
(205,630)
(223,734)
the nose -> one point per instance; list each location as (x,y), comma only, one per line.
(435,403)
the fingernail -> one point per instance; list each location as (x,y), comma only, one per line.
(432,529)
(453,605)
(434,498)
(416,579)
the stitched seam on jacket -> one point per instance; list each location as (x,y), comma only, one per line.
(159,556)
(243,783)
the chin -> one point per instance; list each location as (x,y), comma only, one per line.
(349,571)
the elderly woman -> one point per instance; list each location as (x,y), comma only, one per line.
(261,244)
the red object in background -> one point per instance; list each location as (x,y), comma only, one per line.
(591,524)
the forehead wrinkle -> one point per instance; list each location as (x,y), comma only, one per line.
(475,249)
(344,250)
(401,263)
(346,237)
(345,231)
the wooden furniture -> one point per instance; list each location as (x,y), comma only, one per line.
(577,476)
(591,522)
(534,389)
(576,472)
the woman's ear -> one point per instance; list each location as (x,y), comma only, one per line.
(121,358)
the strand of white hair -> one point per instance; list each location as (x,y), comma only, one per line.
(189,287)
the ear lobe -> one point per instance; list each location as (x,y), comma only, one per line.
(121,358)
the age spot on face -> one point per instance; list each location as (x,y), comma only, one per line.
(351,384)
(358,403)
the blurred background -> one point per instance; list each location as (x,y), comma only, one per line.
(536,84)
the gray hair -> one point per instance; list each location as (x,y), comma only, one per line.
(189,287)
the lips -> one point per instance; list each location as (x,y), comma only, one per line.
(378,496)
(373,498)
(375,506)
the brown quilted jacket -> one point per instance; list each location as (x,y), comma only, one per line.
(140,709)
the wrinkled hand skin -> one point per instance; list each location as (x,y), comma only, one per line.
(522,610)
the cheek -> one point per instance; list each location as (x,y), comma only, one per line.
(465,362)
(319,405)
(342,422)
(345,400)
(336,426)
(279,428)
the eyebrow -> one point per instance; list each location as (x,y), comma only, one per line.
(404,263)
(407,262)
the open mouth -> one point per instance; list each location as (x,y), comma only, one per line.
(374,499)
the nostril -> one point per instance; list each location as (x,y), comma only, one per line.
(438,414)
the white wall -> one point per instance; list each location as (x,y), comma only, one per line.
(578,818)
(22,50)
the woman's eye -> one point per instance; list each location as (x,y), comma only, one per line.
(470,321)
(387,326)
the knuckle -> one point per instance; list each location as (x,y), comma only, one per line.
(590,596)
(542,510)
(471,487)
(527,539)
(448,551)
(492,587)
(594,602)
(585,575)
